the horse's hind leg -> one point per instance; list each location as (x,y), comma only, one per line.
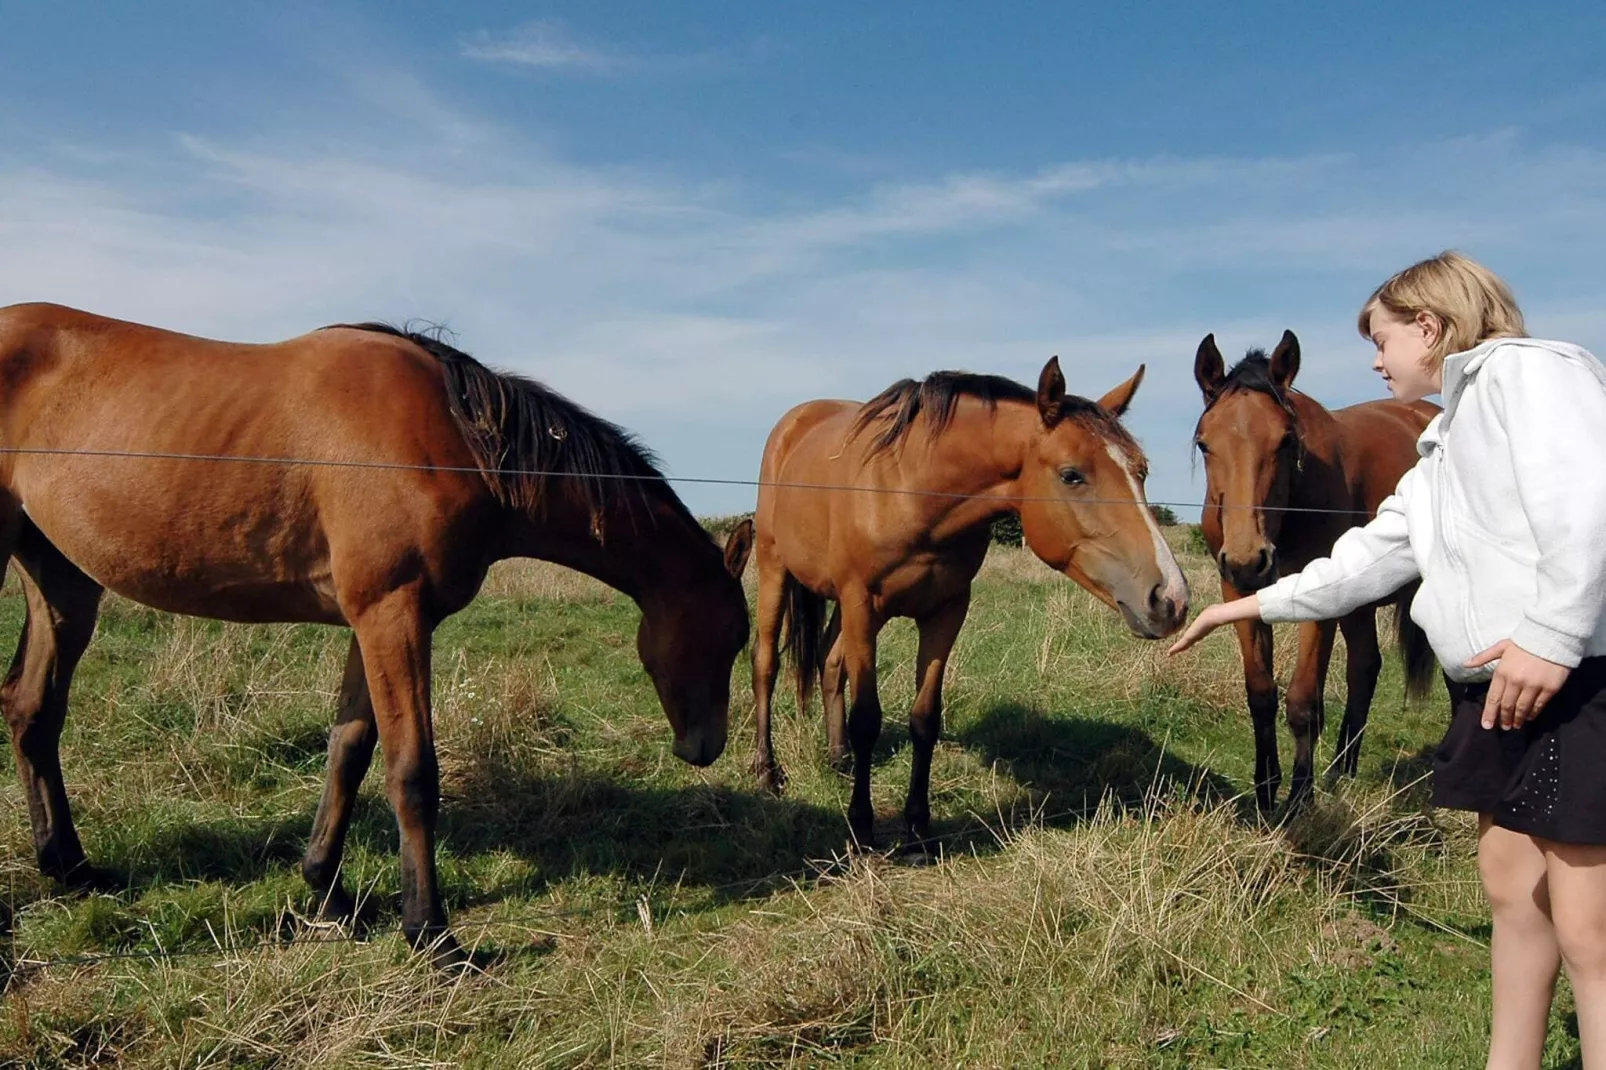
(63,604)
(1306,709)
(833,695)
(1365,663)
(351,748)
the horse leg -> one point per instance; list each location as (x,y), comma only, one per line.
(351,748)
(1365,662)
(833,695)
(1254,643)
(859,630)
(766,666)
(937,634)
(62,605)
(1305,704)
(394,638)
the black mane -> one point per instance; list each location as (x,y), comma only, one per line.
(524,435)
(938,395)
(1253,375)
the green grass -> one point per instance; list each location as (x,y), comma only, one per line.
(1107,896)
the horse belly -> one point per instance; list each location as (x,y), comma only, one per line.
(263,562)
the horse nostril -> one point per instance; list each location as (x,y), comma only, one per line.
(1161,605)
(1265,562)
(1221,563)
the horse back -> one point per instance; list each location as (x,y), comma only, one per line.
(164,464)
(1379,444)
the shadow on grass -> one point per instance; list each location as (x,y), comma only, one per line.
(724,843)
(1410,775)
(1069,763)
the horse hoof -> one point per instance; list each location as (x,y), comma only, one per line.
(918,855)
(86,878)
(861,837)
(772,780)
(447,954)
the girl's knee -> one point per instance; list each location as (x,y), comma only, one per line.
(1516,897)
(1514,875)
(1583,948)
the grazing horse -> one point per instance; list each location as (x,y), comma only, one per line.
(930,465)
(357,475)
(1285,478)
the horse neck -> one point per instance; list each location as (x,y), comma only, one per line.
(971,467)
(1321,481)
(640,544)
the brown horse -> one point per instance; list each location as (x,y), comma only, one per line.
(1285,478)
(911,535)
(417,467)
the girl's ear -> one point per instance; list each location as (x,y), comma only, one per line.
(1430,326)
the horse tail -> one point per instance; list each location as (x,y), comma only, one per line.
(1420,664)
(803,616)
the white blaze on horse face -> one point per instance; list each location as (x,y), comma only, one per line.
(1174,585)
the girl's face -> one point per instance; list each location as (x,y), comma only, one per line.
(1402,349)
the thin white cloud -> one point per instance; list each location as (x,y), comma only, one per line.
(545,44)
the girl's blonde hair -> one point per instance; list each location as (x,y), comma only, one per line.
(1471,303)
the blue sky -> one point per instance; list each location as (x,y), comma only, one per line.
(690,216)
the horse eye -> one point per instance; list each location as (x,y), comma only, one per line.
(1204,451)
(1071,477)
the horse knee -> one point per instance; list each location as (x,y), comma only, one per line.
(319,870)
(864,725)
(1302,715)
(414,787)
(35,736)
(925,726)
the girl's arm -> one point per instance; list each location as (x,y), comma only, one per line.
(1367,564)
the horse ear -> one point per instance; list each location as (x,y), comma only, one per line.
(1209,369)
(1116,401)
(738,545)
(1051,392)
(1285,361)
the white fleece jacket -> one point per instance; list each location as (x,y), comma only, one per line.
(1503,518)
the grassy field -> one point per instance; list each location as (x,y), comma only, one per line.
(1107,896)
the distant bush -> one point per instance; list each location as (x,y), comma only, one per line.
(1196,541)
(1007,530)
(720,527)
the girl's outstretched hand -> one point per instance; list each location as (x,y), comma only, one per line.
(1213,617)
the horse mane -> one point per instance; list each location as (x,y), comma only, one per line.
(524,435)
(937,396)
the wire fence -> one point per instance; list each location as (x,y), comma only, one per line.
(711,481)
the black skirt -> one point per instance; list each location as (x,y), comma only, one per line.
(1547,778)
